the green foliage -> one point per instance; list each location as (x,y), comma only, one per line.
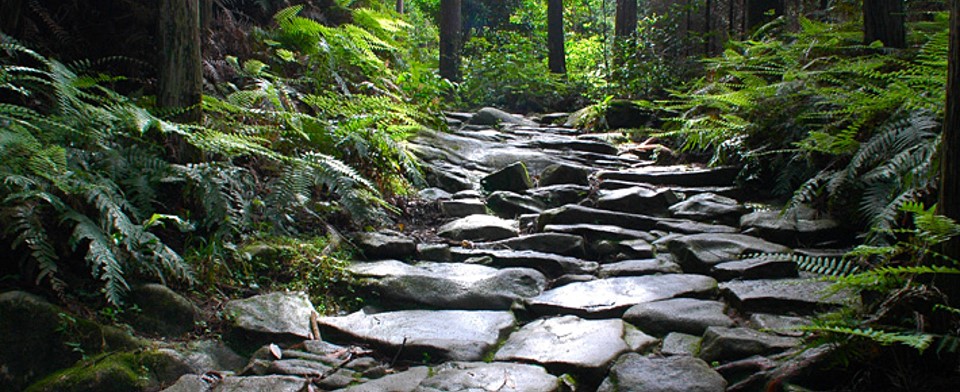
(899,302)
(508,69)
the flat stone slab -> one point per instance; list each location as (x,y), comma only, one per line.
(496,376)
(385,245)
(558,195)
(404,381)
(593,233)
(567,344)
(575,214)
(685,315)
(461,208)
(510,205)
(638,200)
(769,267)
(800,227)
(675,175)
(639,268)
(479,228)
(556,243)
(780,325)
(548,264)
(458,335)
(196,383)
(727,344)
(698,253)
(783,296)
(611,297)
(636,373)
(693,227)
(449,286)
(709,207)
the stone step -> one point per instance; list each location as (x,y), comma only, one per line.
(684,176)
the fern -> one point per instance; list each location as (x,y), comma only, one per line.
(920,342)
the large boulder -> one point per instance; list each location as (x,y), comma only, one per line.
(479,228)
(636,373)
(501,377)
(277,317)
(458,335)
(613,296)
(34,335)
(162,311)
(698,253)
(513,178)
(687,315)
(449,286)
(493,117)
(385,245)
(119,372)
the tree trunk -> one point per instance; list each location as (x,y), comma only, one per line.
(400,7)
(756,12)
(181,72)
(450,36)
(555,46)
(707,34)
(949,204)
(626,20)
(883,20)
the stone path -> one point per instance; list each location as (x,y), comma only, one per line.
(563,264)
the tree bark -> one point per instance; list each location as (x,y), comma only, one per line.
(707,34)
(626,20)
(949,204)
(555,42)
(883,20)
(756,12)
(181,72)
(450,36)
(400,7)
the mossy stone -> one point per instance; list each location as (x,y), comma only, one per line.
(513,178)
(32,344)
(162,311)
(120,372)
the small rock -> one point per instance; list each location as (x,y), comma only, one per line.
(434,194)
(564,174)
(549,264)
(467,194)
(434,252)
(635,373)
(709,207)
(685,315)
(678,343)
(726,344)
(479,228)
(595,233)
(385,245)
(554,196)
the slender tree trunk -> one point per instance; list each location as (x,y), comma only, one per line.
(883,20)
(707,34)
(451,24)
(949,204)
(625,24)
(400,7)
(557,51)
(181,74)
